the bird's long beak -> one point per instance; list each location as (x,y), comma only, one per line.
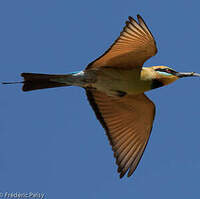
(191,74)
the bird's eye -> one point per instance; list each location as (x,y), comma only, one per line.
(173,72)
(168,70)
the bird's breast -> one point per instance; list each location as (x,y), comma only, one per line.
(128,81)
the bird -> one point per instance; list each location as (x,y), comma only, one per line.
(115,85)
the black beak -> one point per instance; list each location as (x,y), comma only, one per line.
(191,74)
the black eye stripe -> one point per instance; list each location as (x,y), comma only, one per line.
(161,69)
(167,70)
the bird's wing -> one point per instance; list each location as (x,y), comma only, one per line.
(128,122)
(131,49)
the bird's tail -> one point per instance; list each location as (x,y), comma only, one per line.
(34,81)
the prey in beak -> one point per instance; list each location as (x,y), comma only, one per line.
(188,74)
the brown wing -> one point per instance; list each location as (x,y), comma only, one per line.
(128,122)
(133,47)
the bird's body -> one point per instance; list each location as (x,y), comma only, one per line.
(130,81)
(110,80)
(115,84)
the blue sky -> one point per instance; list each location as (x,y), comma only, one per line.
(50,140)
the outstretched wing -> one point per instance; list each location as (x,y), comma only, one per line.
(128,122)
(133,47)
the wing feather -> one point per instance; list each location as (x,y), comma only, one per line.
(128,122)
(131,49)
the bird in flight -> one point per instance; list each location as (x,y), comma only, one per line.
(115,84)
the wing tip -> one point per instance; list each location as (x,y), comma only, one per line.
(141,21)
(121,175)
(139,17)
(130,18)
(129,174)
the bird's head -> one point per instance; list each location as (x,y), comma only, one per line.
(163,75)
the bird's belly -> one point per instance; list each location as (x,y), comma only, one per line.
(121,81)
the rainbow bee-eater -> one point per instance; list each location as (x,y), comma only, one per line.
(115,84)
